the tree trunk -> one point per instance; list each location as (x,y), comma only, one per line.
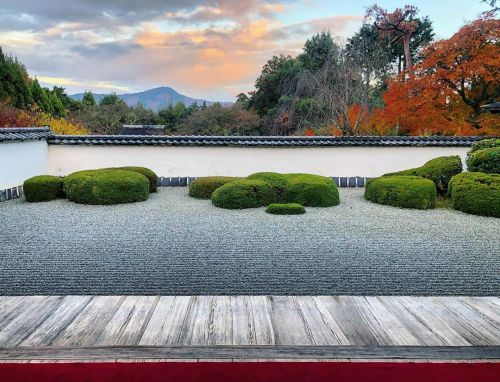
(406,46)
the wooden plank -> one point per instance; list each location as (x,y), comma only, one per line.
(353,321)
(425,335)
(324,329)
(17,306)
(168,323)
(393,326)
(426,313)
(253,352)
(484,308)
(129,322)
(260,307)
(27,321)
(65,313)
(288,324)
(466,322)
(88,325)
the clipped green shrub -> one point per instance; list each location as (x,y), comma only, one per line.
(485,160)
(311,191)
(43,188)
(476,193)
(439,170)
(202,188)
(106,186)
(306,189)
(150,174)
(485,144)
(245,193)
(285,209)
(402,191)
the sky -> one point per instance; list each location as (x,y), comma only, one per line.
(208,49)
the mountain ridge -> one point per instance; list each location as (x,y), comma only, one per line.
(155,98)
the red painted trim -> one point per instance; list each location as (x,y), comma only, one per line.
(251,372)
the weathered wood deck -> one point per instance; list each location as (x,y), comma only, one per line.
(248,327)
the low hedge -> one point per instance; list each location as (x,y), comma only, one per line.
(285,209)
(305,189)
(106,186)
(485,144)
(402,191)
(245,193)
(476,193)
(202,188)
(439,170)
(150,174)
(43,188)
(485,160)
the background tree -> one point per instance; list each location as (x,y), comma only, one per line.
(88,99)
(398,25)
(40,96)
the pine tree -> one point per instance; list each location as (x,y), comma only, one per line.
(88,99)
(57,106)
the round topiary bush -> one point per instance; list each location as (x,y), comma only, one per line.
(305,189)
(485,160)
(439,170)
(402,191)
(476,193)
(310,190)
(43,188)
(245,193)
(285,209)
(150,174)
(106,186)
(202,188)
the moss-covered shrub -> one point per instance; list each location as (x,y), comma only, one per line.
(402,191)
(305,189)
(439,170)
(245,193)
(285,209)
(476,193)
(485,160)
(150,174)
(485,144)
(43,188)
(202,188)
(106,186)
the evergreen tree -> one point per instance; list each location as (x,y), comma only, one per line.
(13,82)
(111,99)
(57,106)
(88,99)
(40,96)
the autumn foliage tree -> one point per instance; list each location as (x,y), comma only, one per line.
(456,76)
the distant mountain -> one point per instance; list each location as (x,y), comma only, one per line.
(155,98)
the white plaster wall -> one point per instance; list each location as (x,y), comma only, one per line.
(241,161)
(20,161)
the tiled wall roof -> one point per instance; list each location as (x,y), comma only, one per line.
(259,141)
(24,134)
(39,133)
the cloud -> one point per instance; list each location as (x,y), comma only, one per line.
(198,47)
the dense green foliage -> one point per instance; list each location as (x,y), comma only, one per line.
(311,190)
(439,170)
(476,193)
(245,193)
(305,189)
(43,188)
(106,186)
(485,144)
(485,160)
(285,209)
(402,191)
(150,174)
(203,188)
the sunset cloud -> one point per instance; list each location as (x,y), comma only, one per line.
(211,48)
